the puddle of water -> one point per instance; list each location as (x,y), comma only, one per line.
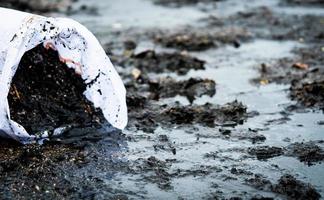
(232,69)
(301,127)
(116,15)
(193,188)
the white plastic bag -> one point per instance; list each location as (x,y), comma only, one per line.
(77,47)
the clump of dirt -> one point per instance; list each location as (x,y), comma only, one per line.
(265,152)
(166,87)
(304,73)
(240,172)
(190,115)
(45,94)
(155,170)
(306,2)
(36,5)
(207,114)
(164,143)
(259,182)
(252,135)
(308,90)
(191,88)
(254,21)
(200,170)
(215,37)
(308,152)
(295,189)
(309,94)
(152,115)
(135,101)
(150,61)
(193,40)
(232,35)
(233,111)
(178,3)
(252,17)
(146,114)
(130,45)
(287,185)
(190,42)
(281,72)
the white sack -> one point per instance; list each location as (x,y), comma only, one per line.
(76,45)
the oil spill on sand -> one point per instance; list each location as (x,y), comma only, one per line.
(266,144)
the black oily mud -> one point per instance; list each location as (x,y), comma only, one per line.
(45,94)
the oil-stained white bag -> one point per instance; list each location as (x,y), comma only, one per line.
(76,45)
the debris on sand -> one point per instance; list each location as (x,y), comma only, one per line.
(135,101)
(232,35)
(191,88)
(190,115)
(310,2)
(299,65)
(168,87)
(36,5)
(252,135)
(232,112)
(287,185)
(259,182)
(255,20)
(280,72)
(308,89)
(45,94)
(53,168)
(308,152)
(164,143)
(207,114)
(306,78)
(152,115)
(35,164)
(188,149)
(18,157)
(189,42)
(295,189)
(181,63)
(310,94)
(265,152)
(154,170)
(178,3)
(147,115)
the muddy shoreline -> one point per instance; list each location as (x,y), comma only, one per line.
(227,106)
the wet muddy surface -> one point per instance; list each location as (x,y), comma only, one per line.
(150,61)
(225,102)
(36,5)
